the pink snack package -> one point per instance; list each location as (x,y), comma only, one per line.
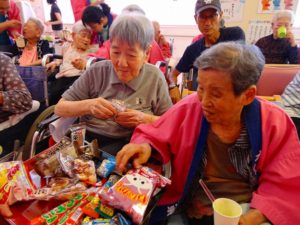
(133,192)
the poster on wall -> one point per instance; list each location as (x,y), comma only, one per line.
(270,6)
(233,10)
(258,29)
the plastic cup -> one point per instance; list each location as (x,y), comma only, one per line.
(281,32)
(226,212)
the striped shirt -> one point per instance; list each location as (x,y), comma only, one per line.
(291,97)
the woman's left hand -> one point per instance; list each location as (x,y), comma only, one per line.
(130,118)
(252,217)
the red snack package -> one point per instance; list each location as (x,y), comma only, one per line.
(14,185)
(133,191)
(54,215)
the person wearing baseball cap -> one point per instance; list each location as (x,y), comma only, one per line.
(208,14)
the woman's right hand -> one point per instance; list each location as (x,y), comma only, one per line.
(139,153)
(101,108)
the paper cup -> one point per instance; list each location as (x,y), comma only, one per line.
(226,212)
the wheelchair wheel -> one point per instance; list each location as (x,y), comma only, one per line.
(37,133)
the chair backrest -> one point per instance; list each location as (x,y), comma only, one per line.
(275,78)
(35,78)
(298,55)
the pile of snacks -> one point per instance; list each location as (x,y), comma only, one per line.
(75,171)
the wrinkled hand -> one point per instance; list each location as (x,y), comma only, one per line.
(290,36)
(101,108)
(175,95)
(79,64)
(252,217)
(130,118)
(5,210)
(140,153)
(13,23)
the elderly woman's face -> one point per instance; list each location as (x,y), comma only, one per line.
(82,39)
(31,31)
(215,92)
(127,60)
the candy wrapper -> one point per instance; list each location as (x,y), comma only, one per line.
(133,191)
(119,105)
(53,216)
(47,164)
(61,188)
(14,185)
(85,171)
(78,133)
(106,167)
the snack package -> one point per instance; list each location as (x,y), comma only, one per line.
(90,150)
(47,163)
(85,171)
(78,133)
(133,191)
(14,185)
(54,215)
(90,208)
(119,105)
(106,167)
(61,188)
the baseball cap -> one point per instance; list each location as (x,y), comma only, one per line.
(207,4)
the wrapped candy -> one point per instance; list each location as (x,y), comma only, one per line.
(133,192)
(106,167)
(14,185)
(85,171)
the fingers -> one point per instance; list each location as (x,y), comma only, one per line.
(140,153)
(5,211)
(130,118)
(102,109)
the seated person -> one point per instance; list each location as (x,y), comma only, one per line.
(208,16)
(125,78)
(243,147)
(35,48)
(161,41)
(280,49)
(291,100)
(14,97)
(10,25)
(78,49)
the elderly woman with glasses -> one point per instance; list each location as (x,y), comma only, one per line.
(114,96)
(244,148)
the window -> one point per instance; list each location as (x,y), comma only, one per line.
(65,8)
(166,12)
(297,16)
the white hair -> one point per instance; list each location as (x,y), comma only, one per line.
(283,14)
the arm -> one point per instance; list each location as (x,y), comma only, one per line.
(293,50)
(15,96)
(57,21)
(9,25)
(14,15)
(97,107)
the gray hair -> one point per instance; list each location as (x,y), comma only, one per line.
(133,8)
(132,29)
(243,62)
(283,14)
(37,22)
(79,26)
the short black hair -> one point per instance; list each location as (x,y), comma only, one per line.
(92,14)
(105,8)
(51,1)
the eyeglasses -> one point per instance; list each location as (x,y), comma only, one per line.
(210,17)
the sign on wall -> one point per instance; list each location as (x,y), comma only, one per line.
(258,29)
(270,6)
(233,10)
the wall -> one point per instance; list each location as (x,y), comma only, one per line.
(183,34)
